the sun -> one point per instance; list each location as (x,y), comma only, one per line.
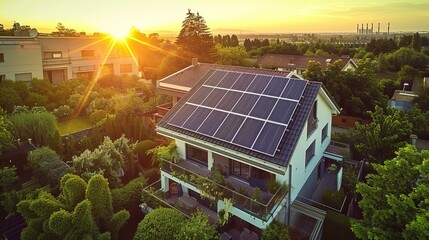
(119,33)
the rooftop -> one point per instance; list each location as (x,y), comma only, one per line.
(297,61)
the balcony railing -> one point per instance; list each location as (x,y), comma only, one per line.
(56,61)
(256,207)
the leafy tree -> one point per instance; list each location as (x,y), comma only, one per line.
(195,39)
(47,165)
(247,44)
(394,199)
(232,56)
(168,153)
(234,40)
(313,71)
(128,195)
(7,176)
(141,150)
(99,195)
(406,56)
(8,98)
(161,223)
(408,74)
(416,42)
(276,231)
(6,137)
(386,133)
(197,228)
(423,98)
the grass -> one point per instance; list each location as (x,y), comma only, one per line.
(74,125)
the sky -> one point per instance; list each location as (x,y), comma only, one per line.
(250,16)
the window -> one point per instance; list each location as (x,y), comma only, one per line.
(310,152)
(196,154)
(261,174)
(107,69)
(2,78)
(240,169)
(87,53)
(343,120)
(126,68)
(1,57)
(324,132)
(25,77)
(51,55)
(312,119)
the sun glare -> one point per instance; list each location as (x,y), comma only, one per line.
(119,33)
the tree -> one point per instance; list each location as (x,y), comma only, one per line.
(276,231)
(386,133)
(161,223)
(196,228)
(7,177)
(408,74)
(234,40)
(81,211)
(394,199)
(416,42)
(423,98)
(313,71)
(232,56)
(195,39)
(247,44)
(6,137)
(47,165)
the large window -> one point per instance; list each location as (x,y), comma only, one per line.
(312,119)
(1,57)
(87,53)
(51,55)
(324,132)
(240,169)
(260,174)
(126,68)
(309,154)
(25,77)
(197,154)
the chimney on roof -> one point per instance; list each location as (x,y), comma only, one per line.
(195,62)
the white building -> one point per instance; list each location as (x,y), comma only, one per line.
(255,126)
(59,58)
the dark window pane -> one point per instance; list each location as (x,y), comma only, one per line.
(259,83)
(243,81)
(269,138)
(229,80)
(200,95)
(248,132)
(263,107)
(229,100)
(283,111)
(245,104)
(212,123)
(276,86)
(215,78)
(197,154)
(195,120)
(294,89)
(182,115)
(213,99)
(229,127)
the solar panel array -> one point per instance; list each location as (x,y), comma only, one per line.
(248,110)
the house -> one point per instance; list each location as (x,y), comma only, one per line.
(402,99)
(266,134)
(298,64)
(59,58)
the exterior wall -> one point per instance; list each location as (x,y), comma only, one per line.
(74,62)
(21,55)
(345,121)
(301,172)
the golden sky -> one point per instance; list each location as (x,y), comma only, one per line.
(262,16)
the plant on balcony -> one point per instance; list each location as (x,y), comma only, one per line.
(168,153)
(209,189)
(273,185)
(224,213)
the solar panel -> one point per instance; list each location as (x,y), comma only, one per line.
(247,110)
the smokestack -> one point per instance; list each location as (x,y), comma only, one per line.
(378,32)
(367,28)
(361,29)
(388,28)
(357,28)
(372,28)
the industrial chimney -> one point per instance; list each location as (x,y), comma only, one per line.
(367,28)
(378,32)
(388,28)
(361,29)
(372,28)
(357,28)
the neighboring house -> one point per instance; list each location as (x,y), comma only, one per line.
(298,64)
(20,58)
(402,100)
(59,58)
(255,126)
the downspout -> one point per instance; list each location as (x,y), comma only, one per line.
(289,195)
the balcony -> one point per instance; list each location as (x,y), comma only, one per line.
(162,110)
(56,61)
(262,207)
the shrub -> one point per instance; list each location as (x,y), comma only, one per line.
(337,226)
(276,231)
(162,223)
(333,198)
(62,112)
(141,149)
(97,116)
(128,195)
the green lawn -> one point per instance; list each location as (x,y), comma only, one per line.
(74,125)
